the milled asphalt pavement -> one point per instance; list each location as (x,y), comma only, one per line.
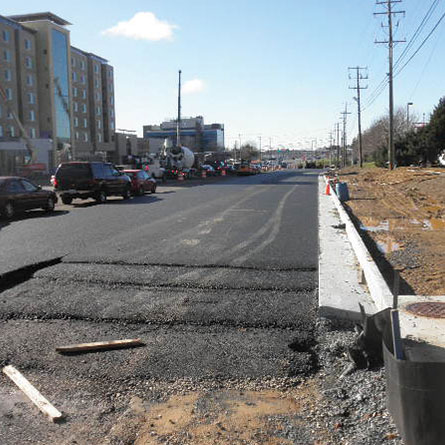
(217,279)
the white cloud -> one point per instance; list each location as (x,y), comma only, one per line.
(193,86)
(143,26)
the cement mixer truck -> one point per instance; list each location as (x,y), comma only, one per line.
(177,159)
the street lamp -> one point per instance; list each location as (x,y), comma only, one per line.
(407,114)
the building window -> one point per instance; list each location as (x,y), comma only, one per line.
(32,133)
(28,62)
(31,98)
(82,65)
(74,76)
(6,36)
(74,91)
(84,108)
(6,55)
(96,68)
(85,123)
(73,62)
(85,137)
(1,112)
(12,131)
(110,74)
(84,94)
(76,122)
(96,83)
(8,92)
(8,75)
(82,78)
(112,125)
(111,100)
(28,44)
(97,96)
(98,111)
(32,115)
(76,106)
(99,125)
(77,135)
(9,115)
(29,80)
(1,131)
(99,137)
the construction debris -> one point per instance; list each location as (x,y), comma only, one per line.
(32,393)
(101,345)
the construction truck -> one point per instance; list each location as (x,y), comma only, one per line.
(176,159)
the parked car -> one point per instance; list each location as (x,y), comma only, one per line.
(141,182)
(246,169)
(85,180)
(19,194)
(210,171)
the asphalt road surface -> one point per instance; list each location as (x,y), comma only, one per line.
(218,279)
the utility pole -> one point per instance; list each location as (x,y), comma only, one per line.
(358,77)
(338,144)
(261,158)
(331,146)
(345,120)
(178,124)
(239,135)
(390,42)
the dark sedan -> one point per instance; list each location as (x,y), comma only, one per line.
(18,194)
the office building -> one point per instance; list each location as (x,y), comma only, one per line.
(195,134)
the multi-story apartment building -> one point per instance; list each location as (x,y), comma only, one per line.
(58,91)
(18,81)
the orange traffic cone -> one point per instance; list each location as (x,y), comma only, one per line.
(328,188)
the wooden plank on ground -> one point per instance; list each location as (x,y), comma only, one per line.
(101,345)
(32,393)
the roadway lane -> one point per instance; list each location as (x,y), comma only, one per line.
(219,280)
(247,220)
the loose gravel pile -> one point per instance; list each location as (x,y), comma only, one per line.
(353,407)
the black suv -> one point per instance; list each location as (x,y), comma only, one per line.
(90,180)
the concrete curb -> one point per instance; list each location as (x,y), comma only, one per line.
(378,288)
(340,287)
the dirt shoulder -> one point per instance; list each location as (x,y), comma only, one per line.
(403,213)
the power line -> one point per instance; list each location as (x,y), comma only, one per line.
(417,32)
(421,45)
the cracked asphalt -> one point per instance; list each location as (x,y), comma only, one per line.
(217,279)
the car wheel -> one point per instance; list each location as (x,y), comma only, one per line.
(126,194)
(67,200)
(49,207)
(8,210)
(101,197)
(153,190)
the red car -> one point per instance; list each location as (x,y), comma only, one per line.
(141,182)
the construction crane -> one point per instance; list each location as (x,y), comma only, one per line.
(29,145)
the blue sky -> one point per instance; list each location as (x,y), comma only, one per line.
(276,69)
